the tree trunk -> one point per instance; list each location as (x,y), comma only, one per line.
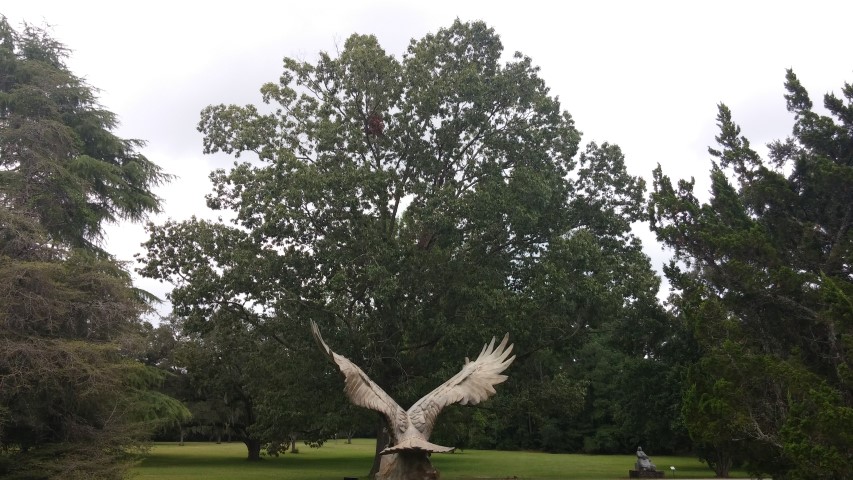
(383,439)
(722,462)
(293,448)
(181,442)
(254,447)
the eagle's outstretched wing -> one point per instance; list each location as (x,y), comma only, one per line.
(360,388)
(473,384)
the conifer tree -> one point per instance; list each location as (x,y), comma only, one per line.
(74,401)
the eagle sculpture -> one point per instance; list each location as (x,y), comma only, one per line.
(410,430)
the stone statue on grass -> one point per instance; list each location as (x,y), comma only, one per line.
(407,456)
(644,468)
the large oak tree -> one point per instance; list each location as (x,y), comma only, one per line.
(414,208)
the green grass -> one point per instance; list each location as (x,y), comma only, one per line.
(336,459)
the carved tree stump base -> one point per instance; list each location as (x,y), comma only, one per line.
(406,466)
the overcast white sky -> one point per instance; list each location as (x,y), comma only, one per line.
(646,75)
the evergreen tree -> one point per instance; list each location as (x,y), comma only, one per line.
(764,282)
(74,401)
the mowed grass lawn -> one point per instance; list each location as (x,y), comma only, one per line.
(336,460)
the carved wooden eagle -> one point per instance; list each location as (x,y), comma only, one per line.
(411,429)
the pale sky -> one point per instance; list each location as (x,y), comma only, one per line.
(646,75)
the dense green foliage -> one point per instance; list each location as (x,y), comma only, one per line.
(415,207)
(61,163)
(763,281)
(74,400)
